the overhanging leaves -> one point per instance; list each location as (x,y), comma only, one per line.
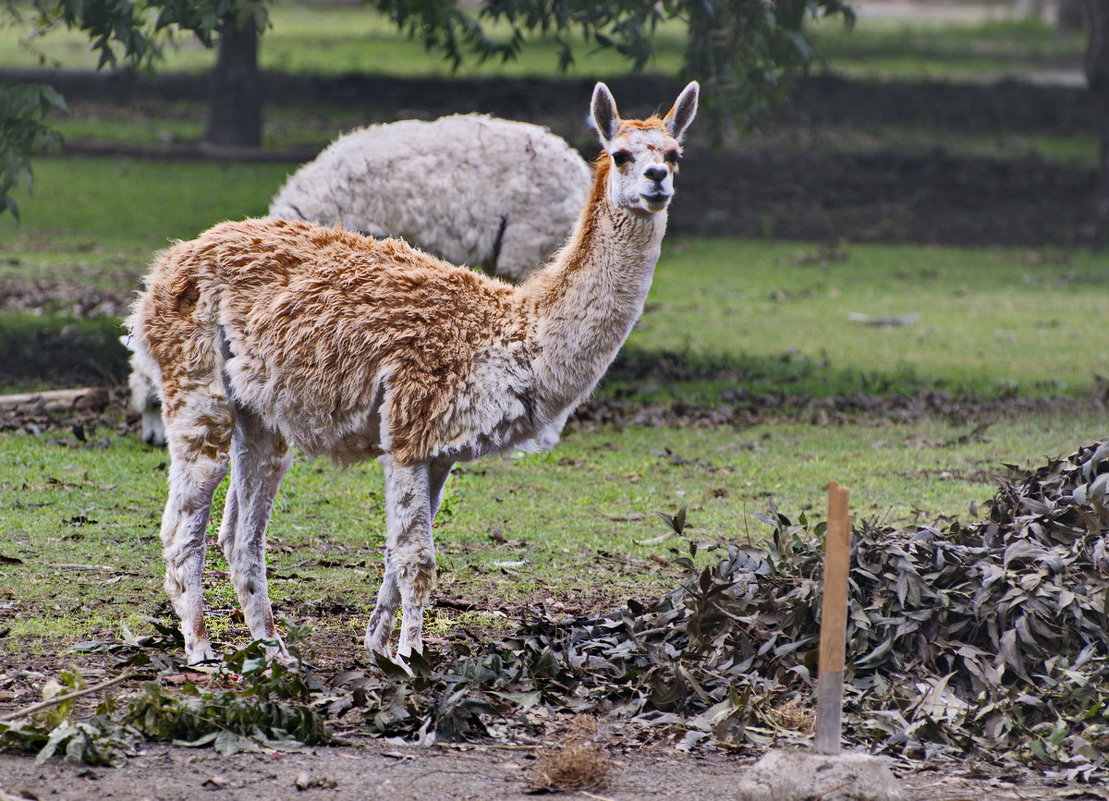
(24,109)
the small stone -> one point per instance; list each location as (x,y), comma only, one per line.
(217,782)
(795,775)
(302,780)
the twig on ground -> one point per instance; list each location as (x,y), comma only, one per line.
(59,699)
(486,747)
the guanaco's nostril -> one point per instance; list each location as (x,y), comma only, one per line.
(656,173)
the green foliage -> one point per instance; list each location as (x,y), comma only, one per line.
(244,718)
(448,27)
(54,731)
(133,32)
(258,703)
(747,53)
(95,741)
(118,30)
(24,133)
(744,51)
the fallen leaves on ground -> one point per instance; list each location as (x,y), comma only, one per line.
(987,638)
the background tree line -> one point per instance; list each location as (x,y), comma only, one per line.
(746,53)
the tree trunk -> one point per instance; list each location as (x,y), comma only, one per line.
(1097,75)
(235,107)
(1070,17)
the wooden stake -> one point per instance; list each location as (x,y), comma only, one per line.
(833,624)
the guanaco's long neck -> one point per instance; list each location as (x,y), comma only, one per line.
(583,305)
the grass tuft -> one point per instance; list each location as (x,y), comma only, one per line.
(575,763)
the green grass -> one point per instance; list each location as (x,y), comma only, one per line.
(328,39)
(990,321)
(920,49)
(572,518)
(766,315)
(105,205)
(331,39)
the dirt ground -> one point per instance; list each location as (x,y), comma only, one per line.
(369,768)
(379,770)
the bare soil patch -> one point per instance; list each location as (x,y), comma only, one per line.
(379,770)
(739,411)
(369,768)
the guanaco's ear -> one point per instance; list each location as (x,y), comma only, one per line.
(678,118)
(606,118)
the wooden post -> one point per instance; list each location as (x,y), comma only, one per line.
(833,624)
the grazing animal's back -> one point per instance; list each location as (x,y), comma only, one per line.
(316,328)
(490,193)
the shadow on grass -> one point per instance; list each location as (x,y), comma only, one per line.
(38,352)
(653,375)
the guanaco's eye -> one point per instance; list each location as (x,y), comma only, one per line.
(621,157)
(672,156)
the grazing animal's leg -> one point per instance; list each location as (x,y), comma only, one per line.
(413,551)
(198,442)
(412,497)
(385,609)
(259,460)
(438,471)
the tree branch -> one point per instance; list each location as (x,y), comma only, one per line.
(60,699)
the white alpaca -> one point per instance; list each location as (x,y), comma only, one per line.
(266,333)
(469,188)
(145,398)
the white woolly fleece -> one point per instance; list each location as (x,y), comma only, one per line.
(469,188)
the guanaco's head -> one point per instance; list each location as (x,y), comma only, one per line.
(644,154)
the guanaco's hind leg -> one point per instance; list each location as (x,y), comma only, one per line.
(198,434)
(259,460)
